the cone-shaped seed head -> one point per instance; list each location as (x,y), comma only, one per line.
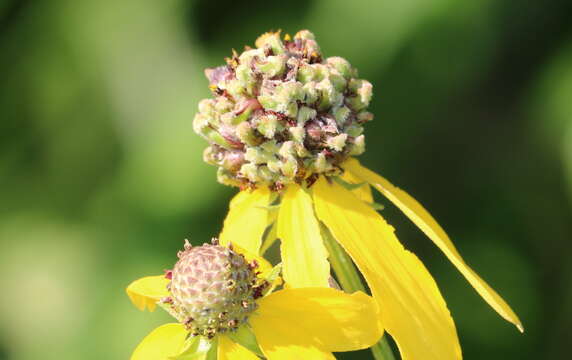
(282,113)
(212,289)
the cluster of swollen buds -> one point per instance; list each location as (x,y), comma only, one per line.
(281,113)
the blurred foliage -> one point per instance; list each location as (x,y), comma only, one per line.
(101,176)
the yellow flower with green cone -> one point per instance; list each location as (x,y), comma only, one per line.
(284,126)
(226,310)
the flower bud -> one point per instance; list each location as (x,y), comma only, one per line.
(272,66)
(358,146)
(304,114)
(272,41)
(321,164)
(267,125)
(364,116)
(362,91)
(341,114)
(329,96)
(287,149)
(306,73)
(298,133)
(289,167)
(255,155)
(250,171)
(337,142)
(342,66)
(245,133)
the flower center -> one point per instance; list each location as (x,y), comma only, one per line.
(213,289)
(282,113)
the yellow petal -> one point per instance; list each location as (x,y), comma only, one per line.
(411,306)
(163,342)
(264,267)
(321,318)
(247,219)
(146,291)
(363,192)
(285,341)
(304,256)
(229,350)
(291,351)
(421,217)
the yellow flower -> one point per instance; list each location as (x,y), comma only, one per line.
(411,307)
(225,312)
(284,125)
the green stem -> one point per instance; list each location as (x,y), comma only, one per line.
(344,268)
(382,350)
(350,281)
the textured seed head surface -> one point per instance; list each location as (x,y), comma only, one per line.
(281,113)
(212,289)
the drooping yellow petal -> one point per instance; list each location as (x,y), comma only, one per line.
(145,292)
(323,318)
(247,219)
(421,217)
(411,306)
(162,343)
(363,192)
(229,350)
(304,256)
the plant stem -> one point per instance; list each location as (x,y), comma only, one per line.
(344,268)
(350,281)
(382,350)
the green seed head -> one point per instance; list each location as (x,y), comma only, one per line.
(213,289)
(282,113)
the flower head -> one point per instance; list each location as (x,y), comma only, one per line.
(224,304)
(285,126)
(282,113)
(213,289)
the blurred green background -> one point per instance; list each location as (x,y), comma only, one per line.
(101,176)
